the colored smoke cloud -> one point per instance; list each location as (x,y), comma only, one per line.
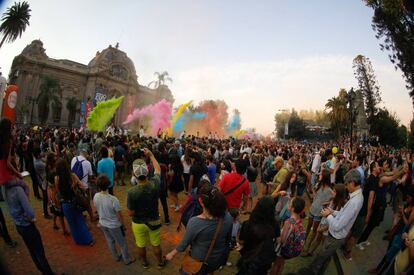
(158,114)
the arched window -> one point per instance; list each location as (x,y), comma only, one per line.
(119,71)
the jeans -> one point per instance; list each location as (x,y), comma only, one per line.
(33,241)
(329,247)
(115,235)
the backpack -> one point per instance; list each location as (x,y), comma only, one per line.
(78,169)
(295,241)
(281,209)
(191,209)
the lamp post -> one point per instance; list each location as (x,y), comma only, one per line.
(352,113)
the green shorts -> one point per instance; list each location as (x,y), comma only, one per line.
(142,233)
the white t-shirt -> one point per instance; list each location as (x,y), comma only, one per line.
(87,170)
(331,164)
(108,208)
(186,166)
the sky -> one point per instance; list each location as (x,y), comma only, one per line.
(258,56)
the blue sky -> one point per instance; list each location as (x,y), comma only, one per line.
(259,56)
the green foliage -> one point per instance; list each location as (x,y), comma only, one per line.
(297,126)
(72,107)
(337,112)
(14,22)
(411,136)
(368,85)
(386,126)
(49,92)
(393,22)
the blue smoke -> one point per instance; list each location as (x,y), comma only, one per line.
(199,115)
(234,122)
(179,124)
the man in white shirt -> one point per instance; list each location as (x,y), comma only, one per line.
(86,177)
(340,222)
(331,164)
(141,132)
(316,165)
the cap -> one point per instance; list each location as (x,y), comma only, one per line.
(139,167)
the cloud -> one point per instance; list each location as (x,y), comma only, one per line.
(259,89)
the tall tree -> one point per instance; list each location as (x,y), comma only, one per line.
(386,127)
(337,112)
(49,92)
(162,78)
(393,21)
(72,107)
(368,85)
(297,127)
(14,22)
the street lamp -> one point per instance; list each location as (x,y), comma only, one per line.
(351,95)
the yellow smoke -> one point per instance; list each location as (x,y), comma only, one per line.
(177,115)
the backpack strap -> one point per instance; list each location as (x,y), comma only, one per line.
(235,187)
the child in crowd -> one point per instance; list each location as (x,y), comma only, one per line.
(292,237)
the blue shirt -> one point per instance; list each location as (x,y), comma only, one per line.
(19,207)
(107,166)
(362,172)
(212,172)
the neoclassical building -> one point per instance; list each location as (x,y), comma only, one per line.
(110,73)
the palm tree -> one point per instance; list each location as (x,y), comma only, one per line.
(14,22)
(49,92)
(72,107)
(338,112)
(162,78)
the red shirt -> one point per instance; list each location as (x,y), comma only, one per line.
(5,173)
(232,180)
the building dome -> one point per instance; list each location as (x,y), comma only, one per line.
(115,62)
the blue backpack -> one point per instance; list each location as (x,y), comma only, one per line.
(78,168)
(191,209)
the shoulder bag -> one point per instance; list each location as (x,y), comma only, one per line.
(193,266)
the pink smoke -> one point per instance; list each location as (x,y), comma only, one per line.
(158,113)
(216,116)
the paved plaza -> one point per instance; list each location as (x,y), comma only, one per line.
(66,257)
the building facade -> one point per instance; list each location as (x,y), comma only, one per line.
(110,73)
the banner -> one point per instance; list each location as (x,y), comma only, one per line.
(10,102)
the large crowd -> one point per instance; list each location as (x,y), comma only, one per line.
(297,199)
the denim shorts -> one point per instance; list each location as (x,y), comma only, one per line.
(314,218)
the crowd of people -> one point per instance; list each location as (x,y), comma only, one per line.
(265,201)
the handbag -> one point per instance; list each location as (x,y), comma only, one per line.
(193,266)
(80,199)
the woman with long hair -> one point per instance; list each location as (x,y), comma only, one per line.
(175,180)
(339,199)
(257,237)
(186,161)
(54,198)
(201,229)
(323,195)
(66,182)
